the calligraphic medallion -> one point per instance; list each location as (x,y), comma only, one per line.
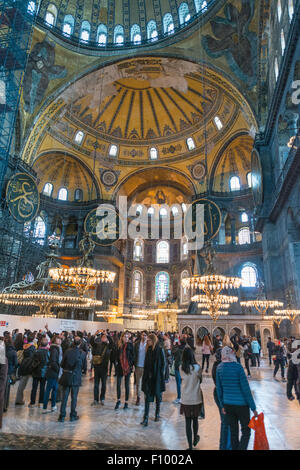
(103,223)
(212,218)
(22,197)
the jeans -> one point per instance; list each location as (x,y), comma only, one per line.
(205,357)
(112,363)
(279,362)
(225,441)
(35,383)
(74,393)
(236,414)
(256,355)
(270,357)
(127,381)
(247,365)
(52,385)
(178,383)
(138,380)
(100,374)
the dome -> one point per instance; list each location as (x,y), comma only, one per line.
(110,23)
(63,171)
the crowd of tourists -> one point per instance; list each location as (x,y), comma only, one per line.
(56,363)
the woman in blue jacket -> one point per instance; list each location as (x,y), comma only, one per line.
(235,398)
(255,349)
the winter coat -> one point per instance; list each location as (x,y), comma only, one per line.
(29,350)
(278,352)
(41,356)
(191,393)
(101,349)
(232,386)
(255,347)
(74,359)
(177,352)
(12,360)
(53,367)
(270,346)
(130,358)
(153,380)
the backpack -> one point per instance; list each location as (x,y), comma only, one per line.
(26,367)
(20,355)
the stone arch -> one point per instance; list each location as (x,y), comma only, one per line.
(235,331)
(219,331)
(187,329)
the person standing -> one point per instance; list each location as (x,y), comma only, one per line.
(235,398)
(278,352)
(25,369)
(192,398)
(206,351)
(153,381)
(139,361)
(101,353)
(247,355)
(40,362)
(3,376)
(124,366)
(177,351)
(225,442)
(73,363)
(270,348)
(53,373)
(12,362)
(255,350)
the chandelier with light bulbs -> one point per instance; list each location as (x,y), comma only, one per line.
(262,306)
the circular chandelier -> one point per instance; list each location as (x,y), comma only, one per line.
(212,282)
(81,277)
(214,304)
(290,313)
(262,305)
(277,318)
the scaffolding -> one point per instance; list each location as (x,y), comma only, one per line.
(16,25)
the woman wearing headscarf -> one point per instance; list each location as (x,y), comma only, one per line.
(153,381)
(124,366)
(192,397)
(235,398)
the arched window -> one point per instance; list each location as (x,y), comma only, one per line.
(282,38)
(113,150)
(162,252)
(234,183)
(39,230)
(218,123)
(137,286)
(163,212)
(48,188)
(184,14)
(244,217)
(138,250)
(291,9)
(152,30)
(279,9)
(51,15)
(276,68)
(249,276)
(184,248)
(78,195)
(102,35)
(161,286)
(190,143)
(135,34)
(85,31)
(153,153)
(200,5)
(68,25)
(119,35)
(62,194)
(79,137)
(184,297)
(168,24)
(151,211)
(249,179)
(244,236)
(31,7)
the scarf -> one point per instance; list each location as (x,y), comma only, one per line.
(228,355)
(124,361)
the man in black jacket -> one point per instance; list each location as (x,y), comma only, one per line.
(101,350)
(25,369)
(74,361)
(270,347)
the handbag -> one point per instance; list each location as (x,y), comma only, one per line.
(260,437)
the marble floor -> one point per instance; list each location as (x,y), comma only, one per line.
(103,428)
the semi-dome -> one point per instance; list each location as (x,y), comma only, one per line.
(95,23)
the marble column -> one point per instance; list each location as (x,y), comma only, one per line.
(80,222)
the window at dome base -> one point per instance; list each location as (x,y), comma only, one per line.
(85,31)
(68,25)
(62,194)
(168,24)
(152,30)
(184,14)
(51,15)
(190,143)
(135,34)
(291,9)
(48,188)
(249,179)
(234,183)
(102,35)
(249,276)
(31,7)
(78,196)
(161,286)
(113,150)
(200,5)
(119,35)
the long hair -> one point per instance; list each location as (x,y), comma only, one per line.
(121,340)
(207,340)
(188,360)
(154,340)
(226,342)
